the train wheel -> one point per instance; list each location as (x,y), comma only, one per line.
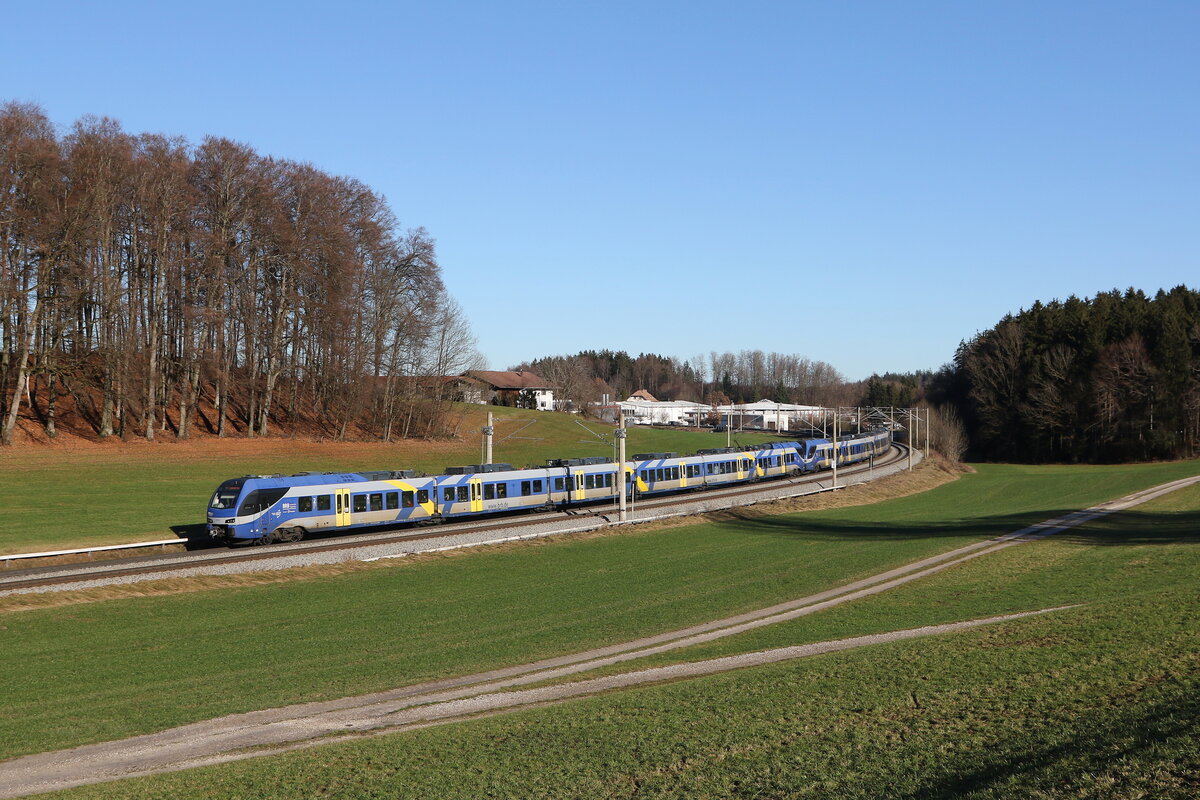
(291,534)
(265,539)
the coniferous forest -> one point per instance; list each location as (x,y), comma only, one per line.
(156,285)
(1112,378)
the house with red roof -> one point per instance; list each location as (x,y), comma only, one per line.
(519,388)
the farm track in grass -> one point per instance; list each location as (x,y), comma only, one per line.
(262,734)
(353,632)
(89,494)
(214,741)
(1095,701)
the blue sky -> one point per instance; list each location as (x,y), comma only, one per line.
(861,183)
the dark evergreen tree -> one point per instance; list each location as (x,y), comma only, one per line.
(1116,377)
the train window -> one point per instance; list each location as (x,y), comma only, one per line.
(537,487)
(448,494)
(489,491)
(306,504)
(589,482)
(392,499)
(608,480)
(377,501)
(360,503)
(323,502)
(501,490)
(250,504)
(559,485)
(526,488)
(463,495)
(406,499)
(422,495)
(675,473)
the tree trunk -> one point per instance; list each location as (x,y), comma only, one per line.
(10,421)
(51,406)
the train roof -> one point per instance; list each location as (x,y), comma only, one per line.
(579,462)
(476,469)
(323,478)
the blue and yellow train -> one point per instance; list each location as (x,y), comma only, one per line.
(283,508)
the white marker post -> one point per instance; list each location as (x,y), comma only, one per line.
(622,514)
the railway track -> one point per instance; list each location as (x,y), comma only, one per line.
(343,547)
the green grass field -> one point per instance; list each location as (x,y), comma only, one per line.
(112,669)
(112,494)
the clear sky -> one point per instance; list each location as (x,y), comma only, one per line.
(862,183)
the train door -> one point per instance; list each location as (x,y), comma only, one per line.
(342,505)
(580,492)
(476,485)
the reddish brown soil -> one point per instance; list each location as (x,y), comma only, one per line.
(75,433)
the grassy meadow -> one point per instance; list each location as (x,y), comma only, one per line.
(111,669)
(116,492)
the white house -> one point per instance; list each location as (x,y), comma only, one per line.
(507,387)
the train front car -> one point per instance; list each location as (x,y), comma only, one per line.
(223,507)
(262,509)
(235,512)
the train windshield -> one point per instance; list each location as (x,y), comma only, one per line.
(226,495)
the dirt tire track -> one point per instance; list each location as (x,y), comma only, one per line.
(277,730)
